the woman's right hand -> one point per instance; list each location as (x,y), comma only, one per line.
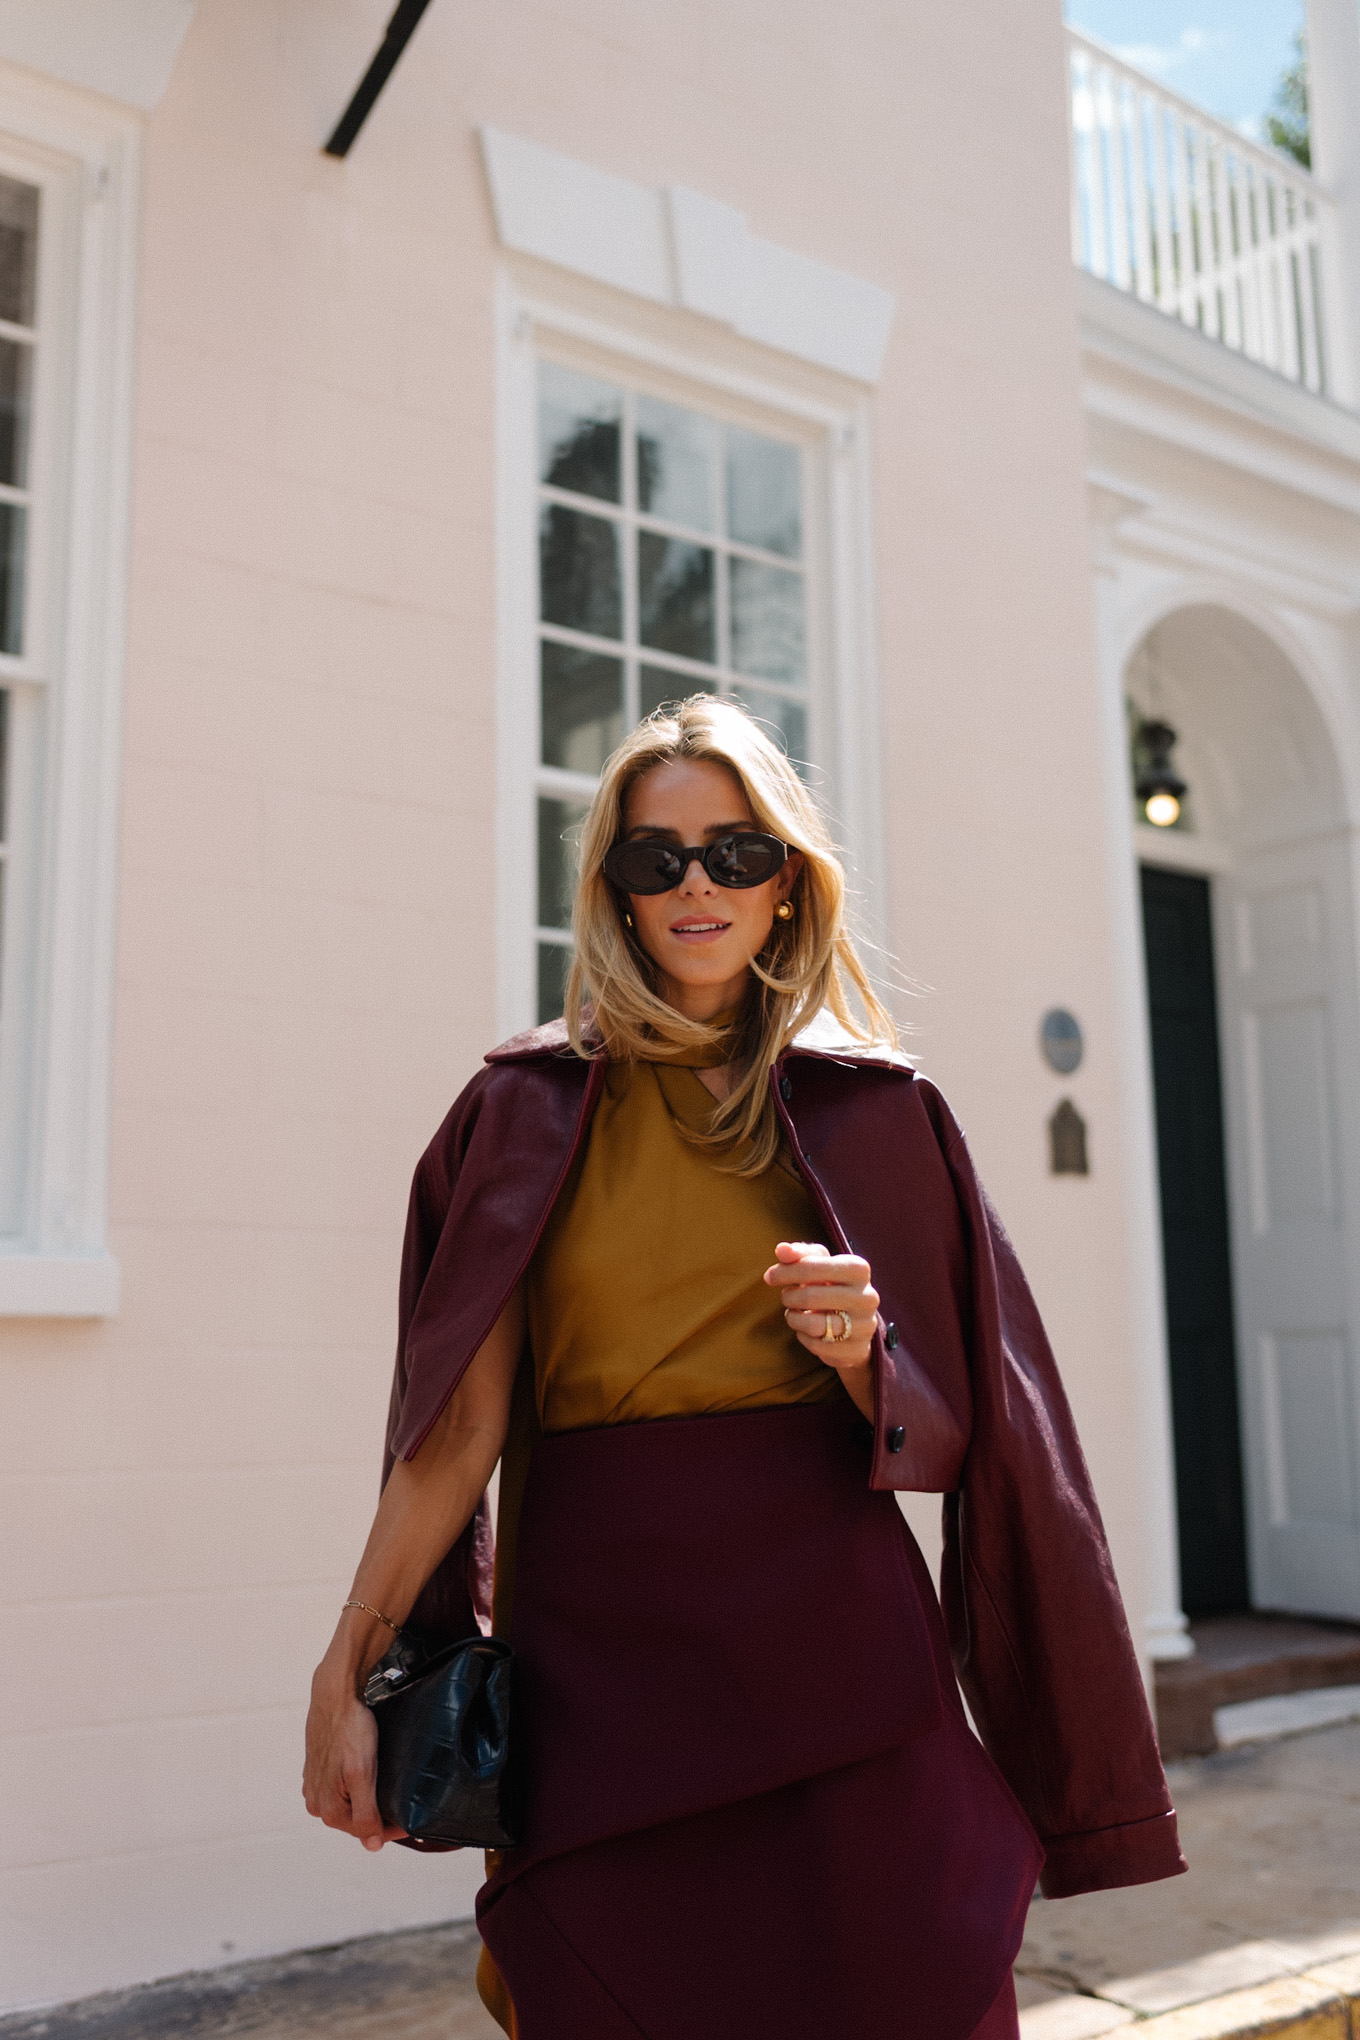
(339,1776)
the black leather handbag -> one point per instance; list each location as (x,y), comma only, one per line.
(446,1769)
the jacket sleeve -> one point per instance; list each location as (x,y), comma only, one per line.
(1035,1620)
(456,1599)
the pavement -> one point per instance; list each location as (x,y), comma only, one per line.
(414,1986)
(1262,1938)
(1271,1906)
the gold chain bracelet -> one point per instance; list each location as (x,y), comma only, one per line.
(395,1627)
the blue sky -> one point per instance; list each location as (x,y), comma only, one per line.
(1226,55)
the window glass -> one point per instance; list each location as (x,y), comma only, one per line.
(660,685)
(13,536)
(582,706)
(763,506)
(554,961)
(677,464)
(579,572)
(558,821)
(767,621)
(784,720)
(675,596)
(18,251)
(16,357)
(579,432)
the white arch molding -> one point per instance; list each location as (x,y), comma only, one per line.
(1289,998)
(1138,619)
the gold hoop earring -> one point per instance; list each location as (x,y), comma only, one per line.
(627,918)
(784,911)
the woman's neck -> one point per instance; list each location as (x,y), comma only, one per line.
(704,1002)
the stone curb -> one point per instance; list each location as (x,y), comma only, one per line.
(1321,2003)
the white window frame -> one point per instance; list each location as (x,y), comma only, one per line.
(842,695)
(66,700)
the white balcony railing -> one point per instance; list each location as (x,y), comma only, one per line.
(1185,213)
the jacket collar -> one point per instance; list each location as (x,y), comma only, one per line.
(823,1037)
(535,1044)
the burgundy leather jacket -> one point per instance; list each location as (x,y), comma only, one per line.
(969,1405)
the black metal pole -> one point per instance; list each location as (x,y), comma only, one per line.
(399,32)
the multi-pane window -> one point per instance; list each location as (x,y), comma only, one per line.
(18,289)
(671,561)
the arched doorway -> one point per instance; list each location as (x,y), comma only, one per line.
(1251,942)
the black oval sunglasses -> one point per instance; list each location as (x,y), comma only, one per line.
(744,859)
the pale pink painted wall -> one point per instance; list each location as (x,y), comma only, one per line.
(307,936)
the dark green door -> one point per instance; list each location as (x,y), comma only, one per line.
(1180,966)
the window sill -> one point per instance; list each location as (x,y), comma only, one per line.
(59,1285)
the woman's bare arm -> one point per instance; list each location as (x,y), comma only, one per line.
(425,1507)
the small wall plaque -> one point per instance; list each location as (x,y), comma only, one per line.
(1060,1041)
(1067,1142)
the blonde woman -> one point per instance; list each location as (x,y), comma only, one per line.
(707,1269)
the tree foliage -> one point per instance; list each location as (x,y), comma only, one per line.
(1287,121)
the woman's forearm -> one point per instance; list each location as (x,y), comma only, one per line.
(425,1507)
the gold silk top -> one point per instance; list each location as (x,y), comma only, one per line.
(645,1294)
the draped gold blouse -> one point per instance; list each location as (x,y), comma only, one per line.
(645,1295)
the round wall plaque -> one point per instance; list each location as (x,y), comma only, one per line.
(1060,1041)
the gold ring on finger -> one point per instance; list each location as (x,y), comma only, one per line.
(847,1326)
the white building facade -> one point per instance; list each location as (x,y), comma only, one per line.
(350,512)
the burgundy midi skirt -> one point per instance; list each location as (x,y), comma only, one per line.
(753,1802)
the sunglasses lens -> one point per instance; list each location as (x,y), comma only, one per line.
(745,860)
(643,867)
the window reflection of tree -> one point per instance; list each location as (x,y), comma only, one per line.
(676,596)
(582,707)
(588,462)
(651,467)
(579,564)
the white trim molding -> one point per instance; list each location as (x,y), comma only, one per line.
(1170,850)
(677,247)
(125,49)
(55,1077)
(59,1285)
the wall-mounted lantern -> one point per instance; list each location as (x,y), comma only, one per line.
(1158,785)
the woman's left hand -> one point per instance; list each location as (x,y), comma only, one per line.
(818,1288)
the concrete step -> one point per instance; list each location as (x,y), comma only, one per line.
(1242,1658)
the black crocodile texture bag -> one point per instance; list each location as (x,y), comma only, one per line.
(446,1771)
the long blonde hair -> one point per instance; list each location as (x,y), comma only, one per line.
(613,1007)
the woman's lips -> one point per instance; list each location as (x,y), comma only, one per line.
(697,931)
